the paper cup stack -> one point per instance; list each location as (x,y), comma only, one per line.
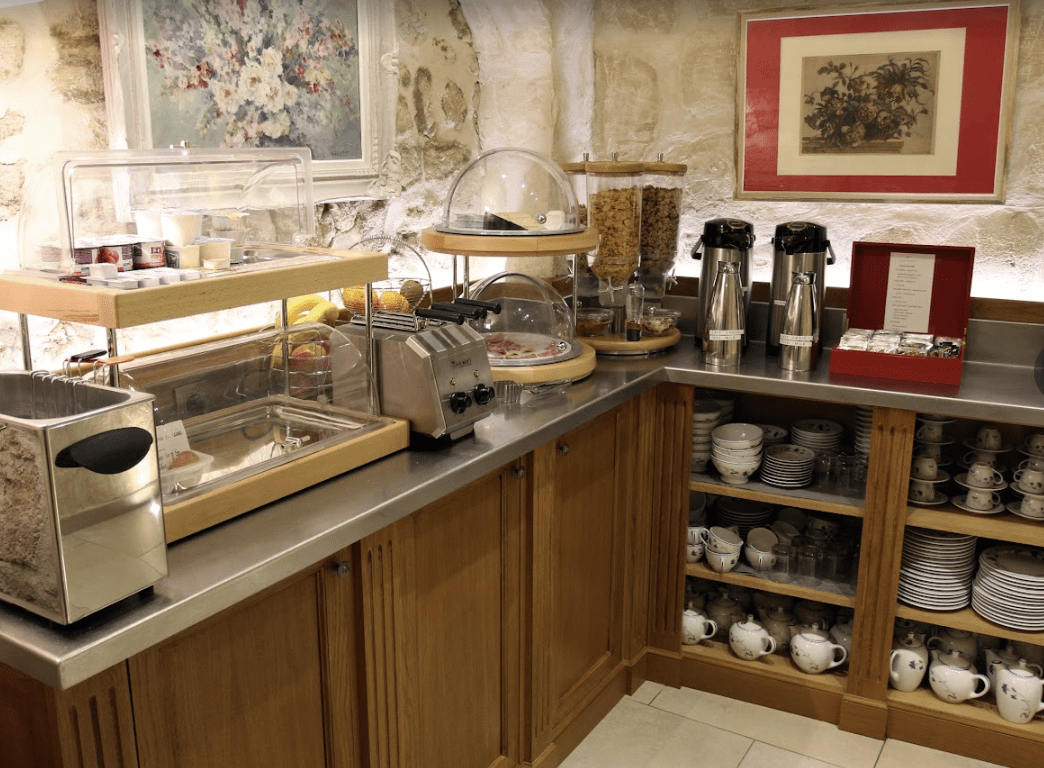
(736,451)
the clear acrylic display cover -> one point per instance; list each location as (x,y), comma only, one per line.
(534,327)
(243,411)
(247,195)
(513,192)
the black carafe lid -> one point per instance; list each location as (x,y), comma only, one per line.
(728,233)
(801,237)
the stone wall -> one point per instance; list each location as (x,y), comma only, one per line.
(559,76)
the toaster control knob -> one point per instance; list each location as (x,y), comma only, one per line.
(459,402)
(482,393)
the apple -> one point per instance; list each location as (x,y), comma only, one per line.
(309,358)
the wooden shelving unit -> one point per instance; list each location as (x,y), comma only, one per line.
(313,270)
(1004,526)
(805,498)
(774,666)
(968,620)
(703,571)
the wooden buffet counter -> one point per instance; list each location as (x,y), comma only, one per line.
(487,604)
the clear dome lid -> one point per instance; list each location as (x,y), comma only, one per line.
(534,327)
(513,192)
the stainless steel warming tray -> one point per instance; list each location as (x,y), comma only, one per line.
(81,523)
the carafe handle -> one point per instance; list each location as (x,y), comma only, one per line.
(696,249)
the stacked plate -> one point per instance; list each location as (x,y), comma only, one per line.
(863,426)
(937,569)
(706,415)
(817,434)
(727,401)
(743,513)
(788,466)
(1009,588)
(774,435)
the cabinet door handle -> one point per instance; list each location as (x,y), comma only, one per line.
(563,448)
(342,568)
(519,471)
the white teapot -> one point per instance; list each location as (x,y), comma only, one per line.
(908,662)
(749,640)
(777,622)
(696,627)
(841,633)
(996,660)
(953,678)
(813,652)
(1019,690)
(955,640)
(724,611)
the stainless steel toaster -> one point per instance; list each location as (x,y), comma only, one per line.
(435,374)
(81,517)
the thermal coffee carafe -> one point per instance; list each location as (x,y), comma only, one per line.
(799,246)
(729,240)
(799,336)
(725,324)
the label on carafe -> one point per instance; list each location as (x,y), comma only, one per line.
(725,335)
(795,341)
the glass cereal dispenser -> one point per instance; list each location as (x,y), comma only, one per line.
(614,199)
(661,212)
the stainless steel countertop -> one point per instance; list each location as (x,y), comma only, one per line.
(231,562)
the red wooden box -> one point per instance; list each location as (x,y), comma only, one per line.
(948,313)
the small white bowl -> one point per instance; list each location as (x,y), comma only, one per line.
(737,454)
(734,474)
(724,540)
(738,435)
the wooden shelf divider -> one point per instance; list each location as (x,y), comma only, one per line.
(703,571)
(775,666)
(968,620)
(1004,526)
(979,713)
(803,498)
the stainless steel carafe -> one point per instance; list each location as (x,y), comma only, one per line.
(725,323)
(799,335)
(799,246)
(729,240)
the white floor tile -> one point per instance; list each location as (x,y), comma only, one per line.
(635,735)
(646,692)
(803,735)
(902,754)
(762,755)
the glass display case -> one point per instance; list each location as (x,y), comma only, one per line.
(512,192)
(130,208)
(231,409)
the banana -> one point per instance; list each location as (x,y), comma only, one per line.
(309,309)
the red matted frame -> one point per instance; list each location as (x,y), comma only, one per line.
(978,141)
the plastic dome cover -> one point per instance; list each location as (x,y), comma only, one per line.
(511,192)
(535,325)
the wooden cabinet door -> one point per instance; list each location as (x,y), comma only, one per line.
(251,687)
(578,592)
(441,597)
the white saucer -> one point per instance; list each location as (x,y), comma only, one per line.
(970,443)
(939,498)
(1015,507)
(1026,493)
(942,477)
(962,479)
(958,501)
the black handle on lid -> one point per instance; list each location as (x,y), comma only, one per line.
(728,233)
(801,237)
(107,453)
(441,314)
(472,313)
(81,357)
(492,306)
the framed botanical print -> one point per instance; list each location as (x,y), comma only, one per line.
(905,102)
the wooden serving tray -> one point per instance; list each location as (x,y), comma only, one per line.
(617,343)
(572,370)
(208,509)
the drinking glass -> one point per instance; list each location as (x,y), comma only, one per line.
(783,569)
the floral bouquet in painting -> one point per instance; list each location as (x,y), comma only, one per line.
(870,109)
(254,73)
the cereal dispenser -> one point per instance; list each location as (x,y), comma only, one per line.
(661,211)
(614,200)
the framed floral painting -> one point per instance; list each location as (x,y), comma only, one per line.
(252,73)
(890,103)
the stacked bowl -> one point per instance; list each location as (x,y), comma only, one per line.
(736,451)
(706,415)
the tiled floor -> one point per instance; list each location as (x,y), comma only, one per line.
(662,727)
